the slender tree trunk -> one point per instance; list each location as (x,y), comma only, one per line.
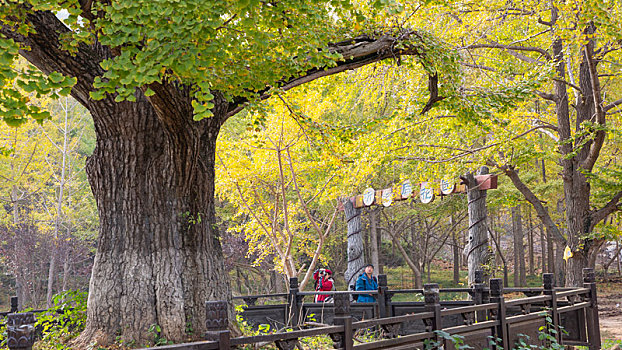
(415,256)
(373,238)
(51,274)
(497,241)
(543,249)
(367,234)
(477,250)
(21,284)
(530,242)
(519,248)
(59,205)
(159,258)
(550,247)
(411,264)
(560,275)
(456,258)
(65,272)
(429,273)
(356,250)
(381,258)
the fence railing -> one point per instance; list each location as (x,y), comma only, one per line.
(416,324)
(411,325)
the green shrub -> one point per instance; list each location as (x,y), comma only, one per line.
(62,322)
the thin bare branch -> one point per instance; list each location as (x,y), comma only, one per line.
(541,211)
(599,138)
(509,48)
(612,105)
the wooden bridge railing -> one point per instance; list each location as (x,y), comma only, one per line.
(487,316)
(410,325)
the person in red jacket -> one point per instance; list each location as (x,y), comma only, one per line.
(323,283)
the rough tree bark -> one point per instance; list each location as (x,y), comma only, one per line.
(356,250)
(477,249)
(154,189)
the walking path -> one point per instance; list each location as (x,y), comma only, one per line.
(610,309)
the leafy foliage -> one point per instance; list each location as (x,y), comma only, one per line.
(64,321)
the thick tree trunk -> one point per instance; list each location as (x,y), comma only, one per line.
(576,187)
(356,251)
(158,258)
(477,249)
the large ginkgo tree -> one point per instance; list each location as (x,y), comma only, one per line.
(159,79)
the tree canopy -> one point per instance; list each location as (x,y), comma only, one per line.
(488,82)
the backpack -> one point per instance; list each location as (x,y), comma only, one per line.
(355,297)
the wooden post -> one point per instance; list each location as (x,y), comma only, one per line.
(548,282)
(433,304)
(383,307)
(477,250)
(293,301)
(591,313)
(217,324)
(343,317)
(356,249)
(14,304)
(496,296)
(20,331)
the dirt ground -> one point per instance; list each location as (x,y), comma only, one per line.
(610,308)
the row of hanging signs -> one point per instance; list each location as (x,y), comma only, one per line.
(426,192)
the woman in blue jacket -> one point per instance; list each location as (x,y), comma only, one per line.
(367,281)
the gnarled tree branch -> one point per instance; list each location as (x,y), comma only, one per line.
(46,53)
(541,211)
(356,53)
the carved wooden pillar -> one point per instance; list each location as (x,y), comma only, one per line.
(345,339)
(593,324)
(21,331)
(217,324)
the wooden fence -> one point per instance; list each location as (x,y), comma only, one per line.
(412,325)
(568,315)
